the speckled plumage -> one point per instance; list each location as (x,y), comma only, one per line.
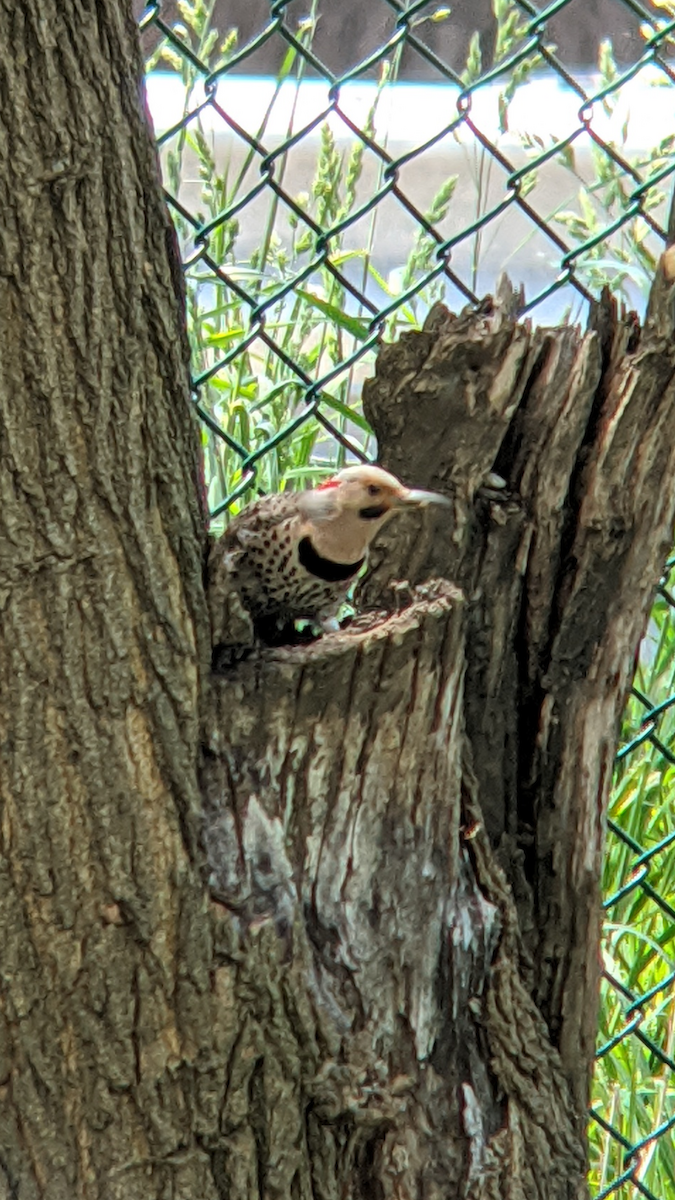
(295,555)
(259,553)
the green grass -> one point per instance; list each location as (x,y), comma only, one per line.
(633,1087)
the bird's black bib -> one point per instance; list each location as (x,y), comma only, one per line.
(323,568)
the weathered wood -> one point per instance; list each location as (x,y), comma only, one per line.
(559,575)
(556,574)
(332,789)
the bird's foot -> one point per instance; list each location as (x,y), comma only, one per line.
(329,624)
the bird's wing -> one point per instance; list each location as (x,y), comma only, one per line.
(229,572)
(251,524)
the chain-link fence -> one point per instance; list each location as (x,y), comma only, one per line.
(329,205)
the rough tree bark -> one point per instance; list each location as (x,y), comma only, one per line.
(326,927)
(106,984)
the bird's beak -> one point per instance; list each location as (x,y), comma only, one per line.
(413,498)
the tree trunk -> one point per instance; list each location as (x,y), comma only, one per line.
(326,927)
(413,808)
(107,995)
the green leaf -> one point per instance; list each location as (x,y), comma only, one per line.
(350,414)
(358,327)
(474,61)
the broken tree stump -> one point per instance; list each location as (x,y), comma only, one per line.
(404,820)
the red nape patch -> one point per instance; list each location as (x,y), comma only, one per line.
(321,487)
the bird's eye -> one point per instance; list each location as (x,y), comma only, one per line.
(373,489)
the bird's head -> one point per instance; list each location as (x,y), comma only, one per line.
(371,493)
(349,508)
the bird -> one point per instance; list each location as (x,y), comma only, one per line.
(290,556)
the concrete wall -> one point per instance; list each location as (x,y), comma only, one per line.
(349,30)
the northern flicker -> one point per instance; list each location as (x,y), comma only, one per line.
(295,555)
